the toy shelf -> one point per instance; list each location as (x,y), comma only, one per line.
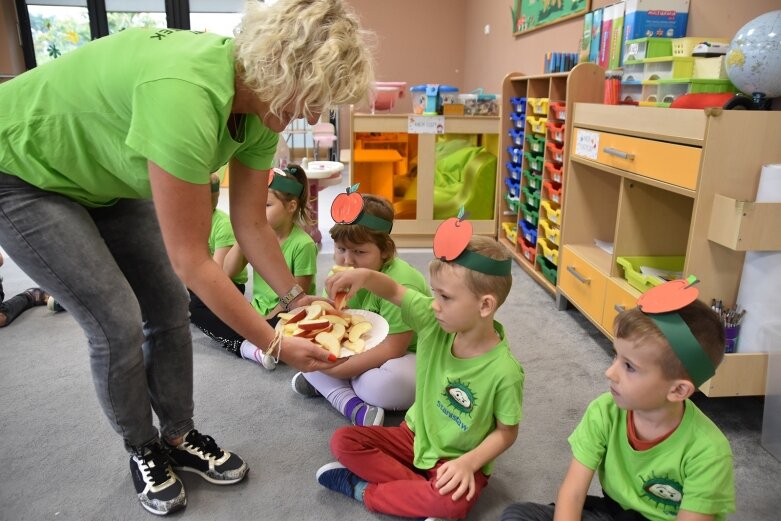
(620,192)
(543,119)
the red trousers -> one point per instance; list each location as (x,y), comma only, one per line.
(383,456)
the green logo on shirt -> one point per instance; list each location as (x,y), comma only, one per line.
(664,492)
(460,397)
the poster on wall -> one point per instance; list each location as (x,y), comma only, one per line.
(529,15)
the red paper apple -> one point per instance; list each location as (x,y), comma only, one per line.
(452,237)
(669,296)
(347,206)
(270,177)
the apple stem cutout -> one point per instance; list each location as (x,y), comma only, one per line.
(452,237)
(347,206)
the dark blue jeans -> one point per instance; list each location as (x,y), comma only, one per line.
(108,267)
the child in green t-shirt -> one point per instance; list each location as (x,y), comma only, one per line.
(657,455)
(383,377)
(467,400)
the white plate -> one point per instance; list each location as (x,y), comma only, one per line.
(372,338)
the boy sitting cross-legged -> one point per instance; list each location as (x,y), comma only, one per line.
(658,456)
(467,399)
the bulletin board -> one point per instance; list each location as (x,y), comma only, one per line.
(529,15)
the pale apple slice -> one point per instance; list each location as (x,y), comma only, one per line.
(312,325)
(327,308)
(329,341)
(335,319)
(313,312)
(338,330)
(358,330)
(357,319)
(359,346)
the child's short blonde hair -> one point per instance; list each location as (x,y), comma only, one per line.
(359,234)
(633,324)
(310,51)
(481,283)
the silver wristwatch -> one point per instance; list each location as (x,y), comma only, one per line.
(286,300)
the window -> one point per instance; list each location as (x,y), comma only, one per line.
(56,27)
(122,14)
(215,16)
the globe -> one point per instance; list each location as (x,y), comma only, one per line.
(753,61)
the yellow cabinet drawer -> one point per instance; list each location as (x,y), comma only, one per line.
(582,283)
(618,297)
(675,164)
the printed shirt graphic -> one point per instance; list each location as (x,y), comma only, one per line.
(690,470)
(221,236)
(300,253)
(457,401)
(406,275)
(85,124)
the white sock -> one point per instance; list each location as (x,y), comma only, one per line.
(251,352)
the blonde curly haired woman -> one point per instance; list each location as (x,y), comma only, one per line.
(105,202)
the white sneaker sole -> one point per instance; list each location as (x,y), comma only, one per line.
(211,479)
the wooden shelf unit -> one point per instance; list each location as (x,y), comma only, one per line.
(583,83)
(417,228)
(644,202)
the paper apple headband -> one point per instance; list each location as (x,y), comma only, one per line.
(660,304)
(347,208)
(278,180)
(450,245)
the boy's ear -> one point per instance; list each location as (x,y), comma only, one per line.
(487,305)
(680,389)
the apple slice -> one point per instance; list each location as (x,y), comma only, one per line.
(335,319)
(357,319)
(358,330)
(339,300)
(329,341)
(313,312)
(338,330)
(327,308)
(293,316)
(359,346)
(312,325)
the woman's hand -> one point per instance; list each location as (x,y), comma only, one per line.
(307,356)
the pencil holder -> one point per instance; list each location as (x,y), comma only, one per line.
(731,334)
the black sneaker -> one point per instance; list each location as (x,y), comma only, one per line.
(159,490)
(200,454)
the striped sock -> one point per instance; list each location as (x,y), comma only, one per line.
(355,410)
(251,352)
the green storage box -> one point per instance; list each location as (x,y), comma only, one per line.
(536,143)
(636,279)
(548,269)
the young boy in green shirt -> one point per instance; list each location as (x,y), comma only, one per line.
(658,456)
(467,399)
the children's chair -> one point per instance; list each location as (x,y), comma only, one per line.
(323,133)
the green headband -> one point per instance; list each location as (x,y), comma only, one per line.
(477,262)
(283,183)
(685,346)
(372,221)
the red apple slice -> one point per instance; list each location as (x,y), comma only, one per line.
(311,325)
(329,341)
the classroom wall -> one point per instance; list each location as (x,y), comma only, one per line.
(11,58)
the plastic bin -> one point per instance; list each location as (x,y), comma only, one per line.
(635,278)
(685,46)
(429,98)
(534,161)
(669,90)
(668,68)
(711,86)
(555,173)
(518,119)
(537,124)
(529,233)
(513,203)
(548,269)
(516,154)
(642,48)
(531,197)
(558,110)
(510,231)
(478,104)
(550,211)
(530,215)
(551,231)
(529,251)
(631,92)
(533,181)
(552,191)
(555,131)
(710,68)
(555,151)
(514,171)
(518,104)
(548,250)
(516,136)
(513,187)
(536,144)
(633,72)
(538,106)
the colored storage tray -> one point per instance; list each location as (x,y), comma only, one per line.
(538,106)
(558,110)
(514,171)
(537,124)
(555,173)
(518,119)
(548,250)
(555,131)
(685,46)
(529,251)
(513,187)
(552,191)
(511,231)
(533,181)
(642,48)
(535,143)
(516,154)
(551,231)
(534,162)
(518,105)
(516,136)
(513,203)
(529,232)
(555,151)
(633,274)
(710,86)
(530,215)
(531,197)
(668,68)
(550,211)
(548,270)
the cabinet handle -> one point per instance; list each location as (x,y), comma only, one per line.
(619,308)
(618,153)
(578,276)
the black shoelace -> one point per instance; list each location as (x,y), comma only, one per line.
(158,470)
(204,443)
